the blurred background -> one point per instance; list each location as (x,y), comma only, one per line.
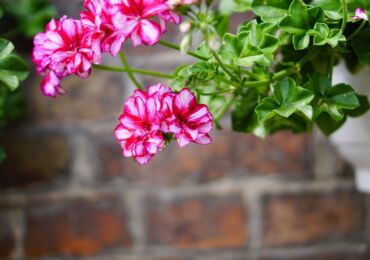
(66,191)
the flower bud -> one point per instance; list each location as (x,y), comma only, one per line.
(185,27)
(186,43)
(214,43)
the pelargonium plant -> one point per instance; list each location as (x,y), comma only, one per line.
(274,73)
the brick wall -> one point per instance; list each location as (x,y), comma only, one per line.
(65,190)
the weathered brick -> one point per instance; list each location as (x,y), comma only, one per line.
(96,98)
(7,238)
(307,218)
(77,227)
(230,154)
(33,158)
(197,222)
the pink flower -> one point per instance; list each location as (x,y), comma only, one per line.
(50,85)
(67,47)
(150,117)
(98,14)
(192,121)
(360,14)
(139,130)
(134,19)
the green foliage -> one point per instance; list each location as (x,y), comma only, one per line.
(26,17)
(12,68)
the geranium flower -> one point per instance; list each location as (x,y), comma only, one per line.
(360,14)
(139,130)
(150,116)
(133,18)
(99,14)
(50,85)
(192,121)
(67,47)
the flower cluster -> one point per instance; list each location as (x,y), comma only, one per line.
(150,117)
(70,46)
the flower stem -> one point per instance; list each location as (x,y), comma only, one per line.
(345,11)
(222,65)
(357,30)
(129,72)
(133,70)
(176,47)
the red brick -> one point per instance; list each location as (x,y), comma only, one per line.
(78,227)
(198,222)
(96,98)
(297,219)
(33,158)
(230,154)
(7,238)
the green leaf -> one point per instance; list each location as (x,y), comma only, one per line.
(6,48)
(254,43)
(361,46)
(298,21)
(335,101)
(228,7)
(343,96)
(327,124)
(31,15)
(271,11)
(324,35)
(332,8)
(362,109)
(287,100)
(12,68)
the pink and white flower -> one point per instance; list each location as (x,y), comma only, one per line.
(99,14)
(67,47)
(139,130)
(50,85)
(134,19)
(193,121)
(150,117)
(360,14)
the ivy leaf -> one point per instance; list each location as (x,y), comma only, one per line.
(254,43)
(231,48)
(299,20)
(335,101)
(271,11)
(332,8)
(361,46)
(287,100)
(12,68)
(362,109)
(324,35)
(327,124)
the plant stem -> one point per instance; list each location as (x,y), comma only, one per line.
(133,70)
(176,47)
(222,65)
(357,30)
(345,11)
(129,72)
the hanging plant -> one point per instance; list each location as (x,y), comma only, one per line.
(274,73)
